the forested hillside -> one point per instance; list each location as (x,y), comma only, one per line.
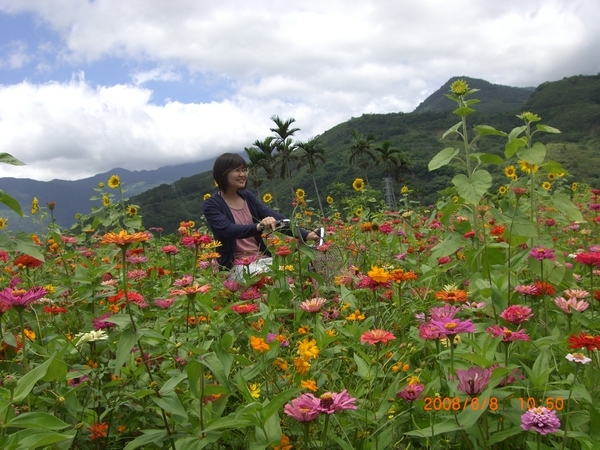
(572,105)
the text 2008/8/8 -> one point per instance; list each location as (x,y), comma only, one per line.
(456,404)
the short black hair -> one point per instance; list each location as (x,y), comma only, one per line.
(225,164)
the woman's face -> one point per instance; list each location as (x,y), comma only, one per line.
(237,178)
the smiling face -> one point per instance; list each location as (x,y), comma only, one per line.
(237,178)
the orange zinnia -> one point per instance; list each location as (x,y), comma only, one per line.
(122,238)
(452,295)
(259,344)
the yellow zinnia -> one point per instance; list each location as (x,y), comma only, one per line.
(378,274)
(308,349)
(114,182)
(254,390)
(358,184)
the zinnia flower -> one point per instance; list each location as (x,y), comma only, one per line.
(583,340)
(578,358)
(122,238)
(98,430)
(303,408)
(541,253)
(312,305)
(516,314)
(411,392)
(588,258)
(473,381)
(376,336)
(540,419)
(20,298)
(308,349)
(245,308)
(449,326)
(259,344)
(332,402)
(508,335)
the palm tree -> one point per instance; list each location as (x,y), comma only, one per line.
(313,152)
(284,145)
(360,149)
(255,158)
(393,159)
(268,163)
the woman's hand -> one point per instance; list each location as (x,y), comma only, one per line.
(268,223)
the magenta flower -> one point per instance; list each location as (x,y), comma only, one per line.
(411,392)
(20,298)
(376,336)
(450,327)
(245,308)
(170,250)
(508,335)
(303,408)
(232,285)
(332,402)
(447,310)
(516,314)
(541,253)
(473,381)
(164,303)
(185,280)
(428,332)
(540,419)
(527,290)
(100,323)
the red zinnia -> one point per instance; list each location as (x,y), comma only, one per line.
(588,258)
(545,288)
(98,430)
(27,261)
(584,341)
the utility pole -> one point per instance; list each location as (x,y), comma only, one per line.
(388,193)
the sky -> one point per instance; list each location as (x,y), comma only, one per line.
(91,85)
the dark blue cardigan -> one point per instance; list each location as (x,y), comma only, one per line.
(224,229)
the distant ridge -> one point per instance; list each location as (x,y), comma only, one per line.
(495,98)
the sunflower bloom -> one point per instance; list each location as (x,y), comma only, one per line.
(300,194)
(510,171)
(527,168)
(105,201)
(329,199)
(358,184)
(459,88)
(267,198)
(3,223)
(132,210)
(547,185)
(114,182)
(34,205)
(206,196)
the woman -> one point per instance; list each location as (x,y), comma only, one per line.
(237,218)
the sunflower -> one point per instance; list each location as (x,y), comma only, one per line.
(358,184)
(329,199)
(574,186)
(114,182)
(300,194)
(459,87)
(510,171)
(34,205)
(132,210)
(552,176)
(502,190)
(206,196)
(105,201)
(101,185)
(358,211)
(527,168)
(3,223)
(547,185)
(404,190)
(267,198)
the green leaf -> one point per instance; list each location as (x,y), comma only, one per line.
(147,437)
(365,371)
(37,420)
(126,343)
(216,367)
(485,130)
(453,129)
(279,401)
(490,158)
(547,129)
(513,145)
(442,158)
(171,403)
(26,383)
(439,428)
(7,158)
(448,246)
(565,206)
(11,203)
(32,439)
(534,155)
(472,190)
(172,383)
(463,111)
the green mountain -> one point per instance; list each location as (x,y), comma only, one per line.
(572,105)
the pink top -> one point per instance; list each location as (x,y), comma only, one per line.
(247,246)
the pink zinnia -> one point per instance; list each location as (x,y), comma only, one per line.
(303,408)
(541,253)
(20,298)
(516,314)
(572,304)
(540,419)
(508,335)
(376,336)
(451,327)
(100,323)
(170,250)
(428,332)
(313,305)
(332,402)
(411,392)
(527,290)
(444,311)
(164,303)
(473,381)
(185,280)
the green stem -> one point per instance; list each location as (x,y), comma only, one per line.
(324,436)
(23,342)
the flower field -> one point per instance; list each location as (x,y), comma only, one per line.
(471,324)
